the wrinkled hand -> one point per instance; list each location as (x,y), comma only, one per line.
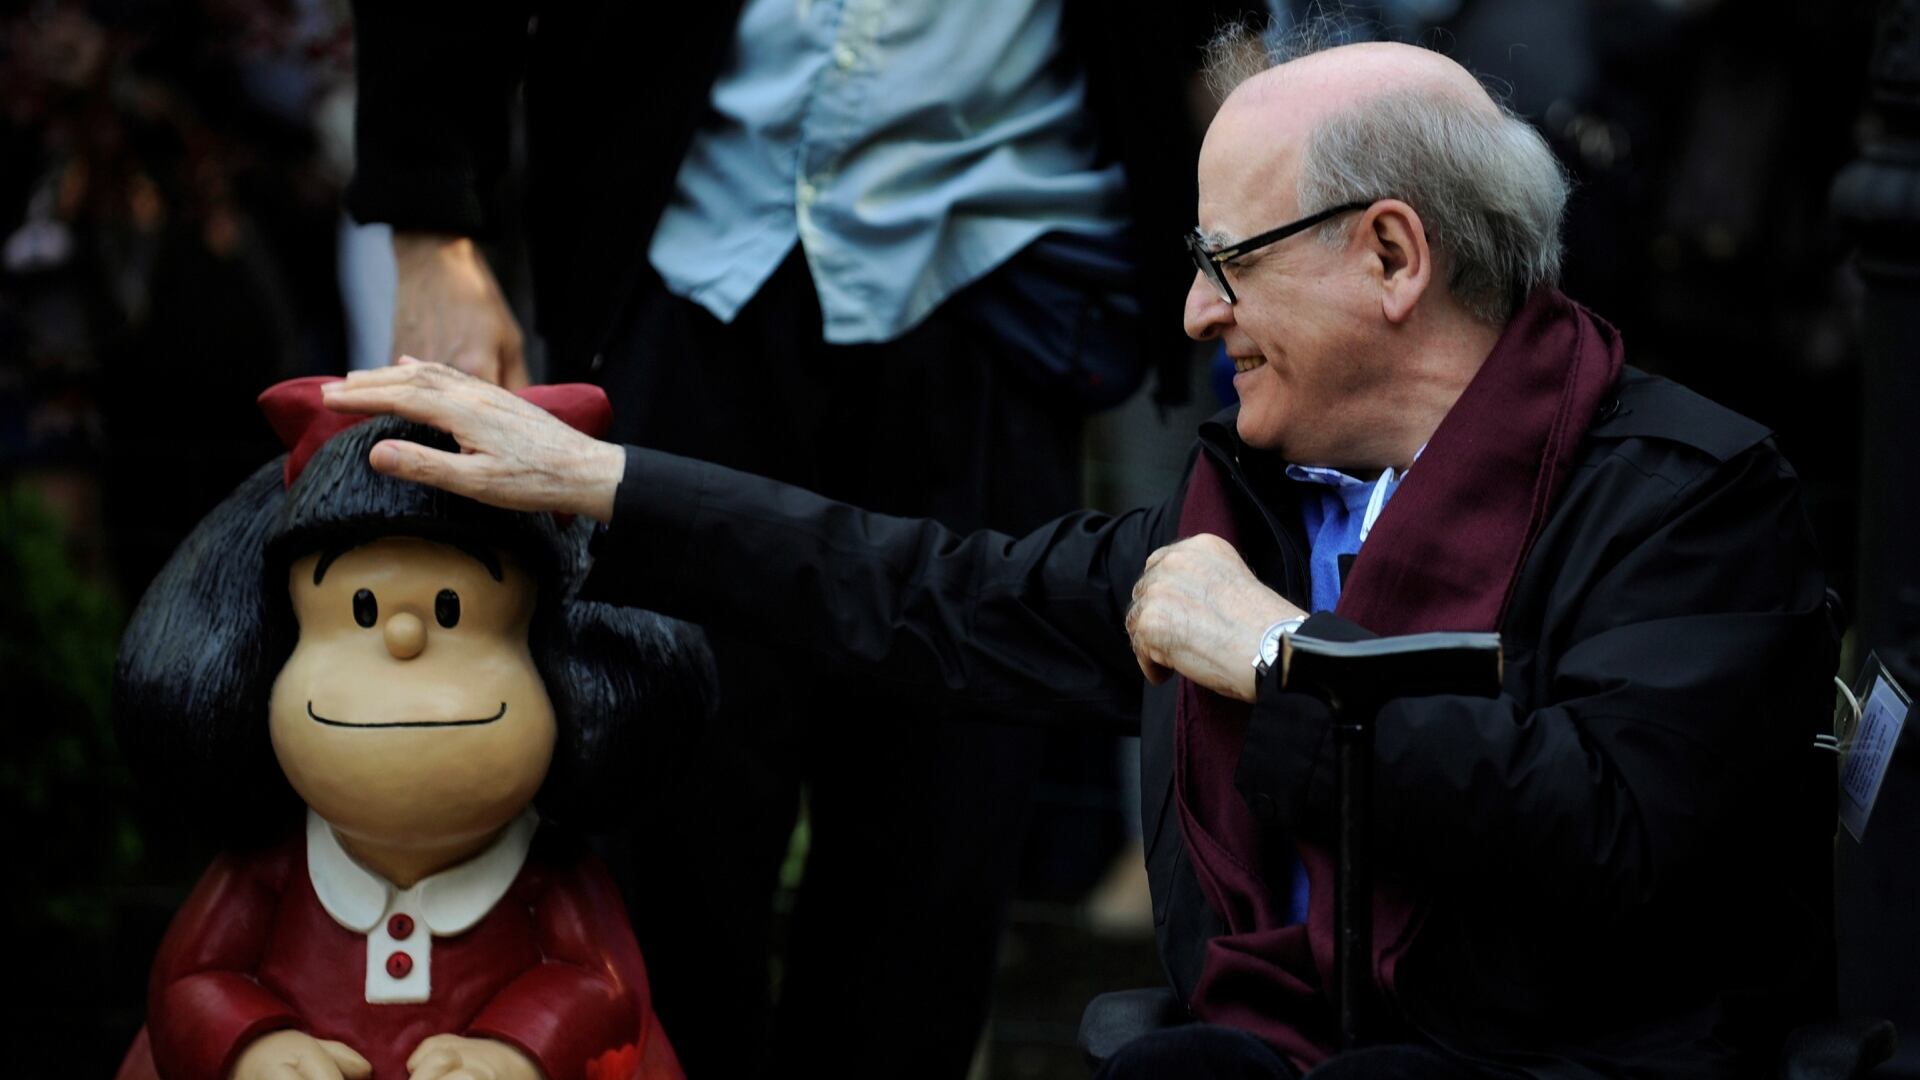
(514,454)
(1199,611)
(447,308)
(296,1055)
(456,1057)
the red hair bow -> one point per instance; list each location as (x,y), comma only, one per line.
(304,423)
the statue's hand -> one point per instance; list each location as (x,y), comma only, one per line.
(296,1055)
(456,1057)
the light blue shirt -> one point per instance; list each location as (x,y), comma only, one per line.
(908,146)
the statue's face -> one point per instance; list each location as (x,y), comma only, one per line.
(410,713)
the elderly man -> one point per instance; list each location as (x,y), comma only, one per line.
(1616,865)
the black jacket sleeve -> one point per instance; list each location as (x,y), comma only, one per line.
(1029,627)
(436,85)
(1673,691)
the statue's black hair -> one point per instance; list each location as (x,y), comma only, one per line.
(199,658)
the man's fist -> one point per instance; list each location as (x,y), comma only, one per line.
(1197,610)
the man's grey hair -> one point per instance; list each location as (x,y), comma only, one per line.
(1486,186)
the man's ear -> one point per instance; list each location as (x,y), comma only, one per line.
(1396,241)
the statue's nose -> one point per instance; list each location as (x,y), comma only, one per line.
(406,635)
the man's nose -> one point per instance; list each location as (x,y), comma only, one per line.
(1208,313)
(406,635)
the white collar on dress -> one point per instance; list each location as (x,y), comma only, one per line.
(449,902)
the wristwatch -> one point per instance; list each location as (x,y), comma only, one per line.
(1269,653)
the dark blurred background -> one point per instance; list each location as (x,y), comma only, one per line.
(170,173)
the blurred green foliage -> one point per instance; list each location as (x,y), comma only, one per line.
(63,786)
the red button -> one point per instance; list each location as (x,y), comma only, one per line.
(399,964)
(400,927)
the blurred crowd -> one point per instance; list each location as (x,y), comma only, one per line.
(170,243)
(171,176)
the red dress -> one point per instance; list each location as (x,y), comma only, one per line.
(552,968)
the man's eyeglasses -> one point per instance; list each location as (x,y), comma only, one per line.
(1210,260)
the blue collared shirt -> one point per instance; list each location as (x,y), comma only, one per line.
(908,146)
(1339,511)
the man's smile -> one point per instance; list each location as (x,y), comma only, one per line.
(409,723)
(1243,364)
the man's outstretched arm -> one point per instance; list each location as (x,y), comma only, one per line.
(1031,627)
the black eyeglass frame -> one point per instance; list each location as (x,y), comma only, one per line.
(1209,260)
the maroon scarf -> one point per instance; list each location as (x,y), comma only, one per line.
(1443,555)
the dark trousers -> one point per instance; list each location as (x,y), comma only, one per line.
(916,817)
(1213,1052)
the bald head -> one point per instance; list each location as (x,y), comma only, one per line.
(1380,120)
(1438,211)
(1349,75)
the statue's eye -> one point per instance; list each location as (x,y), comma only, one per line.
(366,610)
(446,608)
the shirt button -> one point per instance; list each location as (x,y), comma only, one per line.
(807,193)
(845,58)
(400,927)
(399,964)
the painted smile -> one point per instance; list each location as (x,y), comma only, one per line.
(409,723)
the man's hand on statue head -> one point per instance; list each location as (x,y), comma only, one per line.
(456,1057)
(296,1055)
(448,308)
(513,454)
(1199,612)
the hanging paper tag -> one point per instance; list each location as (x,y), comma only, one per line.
(1883,712)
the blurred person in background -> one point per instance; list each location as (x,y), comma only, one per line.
(893,252)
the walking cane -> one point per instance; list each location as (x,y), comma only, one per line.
(1356,678)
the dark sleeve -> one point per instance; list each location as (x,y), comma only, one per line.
(1686,693)
(581,1001)
(436,82)
(204,1004)
(1031,627)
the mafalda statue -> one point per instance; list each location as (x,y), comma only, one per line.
(416,669)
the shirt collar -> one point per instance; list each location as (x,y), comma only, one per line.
(448,902)
(1334,478)
(1378,490)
